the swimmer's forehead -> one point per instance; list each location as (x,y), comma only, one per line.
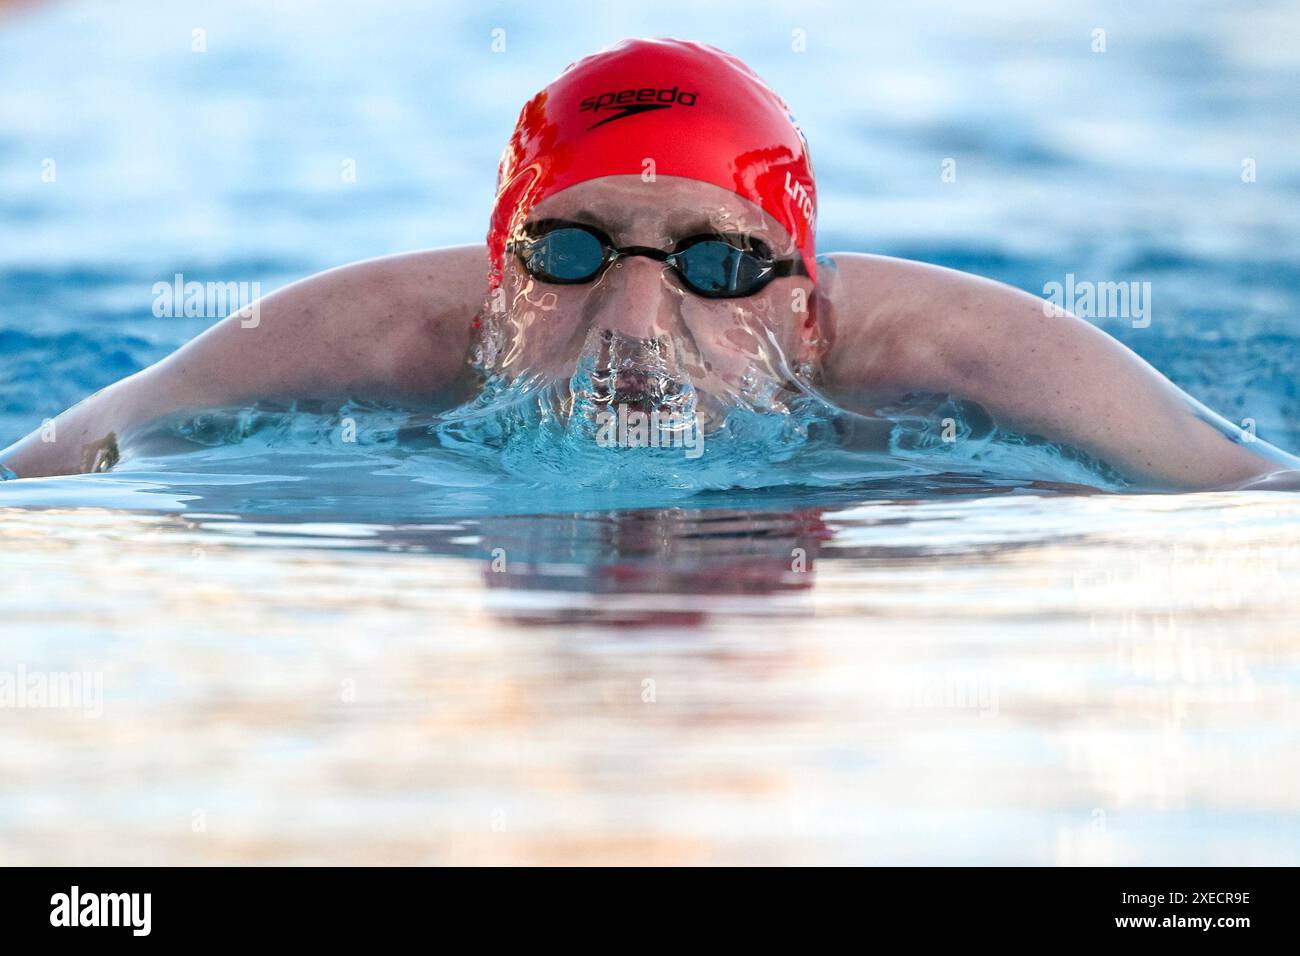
(625,206)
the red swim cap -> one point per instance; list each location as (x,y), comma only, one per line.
(698,112)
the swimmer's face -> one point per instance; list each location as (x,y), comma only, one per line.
(723,346)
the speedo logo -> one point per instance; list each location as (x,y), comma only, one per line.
(630,102)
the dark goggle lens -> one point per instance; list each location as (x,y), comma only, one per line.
(564,255)
(716,268)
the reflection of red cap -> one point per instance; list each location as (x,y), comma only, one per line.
(698,112)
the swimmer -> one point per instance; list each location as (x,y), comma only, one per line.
(651,244)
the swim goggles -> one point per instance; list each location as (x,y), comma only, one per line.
(712,265)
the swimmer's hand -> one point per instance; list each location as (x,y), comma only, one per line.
(100,455)
(902,326)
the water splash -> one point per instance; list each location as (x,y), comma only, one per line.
(522,438)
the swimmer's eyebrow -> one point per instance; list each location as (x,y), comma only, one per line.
(686,224)
(584,217)
(590,218)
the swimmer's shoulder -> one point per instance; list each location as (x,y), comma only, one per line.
(396,327)
(870,305)
(879,285)
(434,286)
(440,291)
(455,276)
(416,308)
(900,323)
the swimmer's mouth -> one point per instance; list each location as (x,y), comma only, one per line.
(640,391)
(639,382)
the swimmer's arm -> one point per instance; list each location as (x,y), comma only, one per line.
(924,328)
(391,329)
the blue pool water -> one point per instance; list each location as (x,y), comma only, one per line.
(396,652)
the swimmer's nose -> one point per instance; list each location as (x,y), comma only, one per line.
(640,301)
